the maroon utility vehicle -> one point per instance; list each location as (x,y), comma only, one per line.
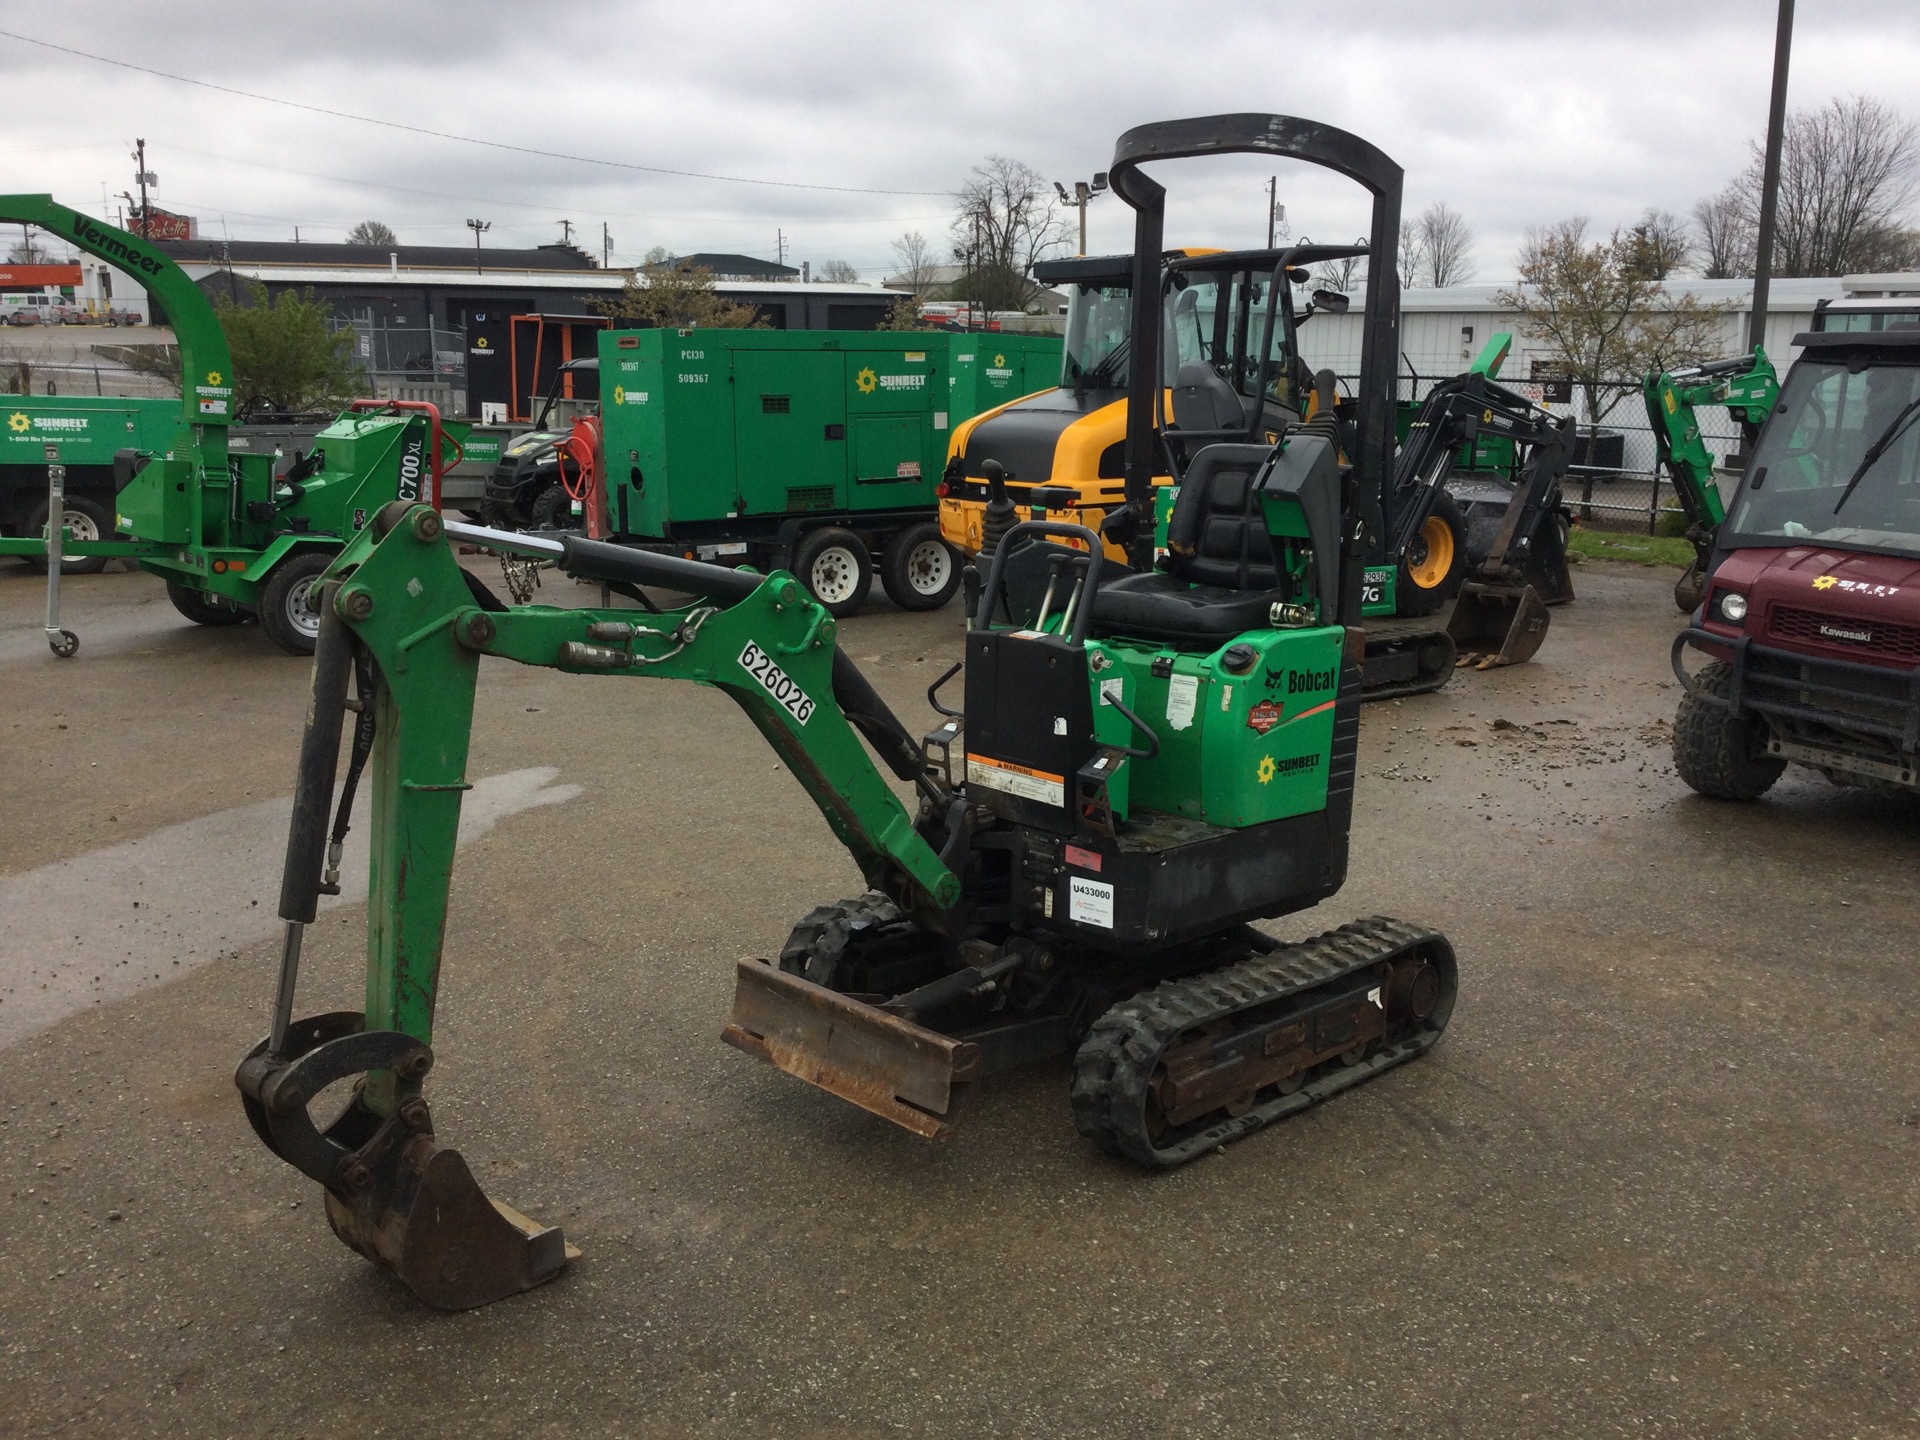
(1811,620)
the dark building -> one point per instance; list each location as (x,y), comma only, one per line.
(433,321)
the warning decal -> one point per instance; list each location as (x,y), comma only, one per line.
(1011,779)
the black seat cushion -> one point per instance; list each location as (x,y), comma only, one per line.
(1203,401)
(1217,534)
(1161,607)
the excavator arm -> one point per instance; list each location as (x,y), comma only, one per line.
(405,628)
(1748,387)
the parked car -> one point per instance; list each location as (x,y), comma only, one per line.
(23,316)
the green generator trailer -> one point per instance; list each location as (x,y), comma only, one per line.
(816,452)
(87,431)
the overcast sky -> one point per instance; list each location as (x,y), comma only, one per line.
(1513,113)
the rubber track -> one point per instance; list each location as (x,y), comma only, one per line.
(1420,684)
(1116,1063)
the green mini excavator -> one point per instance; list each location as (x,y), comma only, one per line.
(1145,762)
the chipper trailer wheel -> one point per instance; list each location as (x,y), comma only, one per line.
(290,622)
(203,608)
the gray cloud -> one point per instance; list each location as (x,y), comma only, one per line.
(1514,113)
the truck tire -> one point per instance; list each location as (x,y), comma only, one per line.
(203,608)
(1719,756)
(835,569)
(1430,571)
(919,570)
(283,603)
(86,520)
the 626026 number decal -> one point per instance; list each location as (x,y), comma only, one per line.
(757,663)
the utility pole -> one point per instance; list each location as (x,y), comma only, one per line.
(1082,193)
(780,247)
(1273,199)
(145,179)
(566,232)
(479,227)
(1770,180)
(606,247)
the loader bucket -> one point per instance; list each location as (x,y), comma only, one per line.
(1498,624)
(902,1072)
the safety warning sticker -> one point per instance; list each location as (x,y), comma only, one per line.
(1183,697)
(1011,779)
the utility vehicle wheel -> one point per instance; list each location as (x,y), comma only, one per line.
(85,521)
(283,604)
(1436,557)
(835,568)
(920,570)
(1717,755)
(554,510)
(204,609)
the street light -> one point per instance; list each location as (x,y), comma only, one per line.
(479,227)
(1082,193)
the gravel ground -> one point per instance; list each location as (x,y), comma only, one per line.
(1656,1180)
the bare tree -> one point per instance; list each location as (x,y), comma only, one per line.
(372,232)
(1341,275)
(837,272)
(1412,250)
(1608,325)
(29,251)
(1725,228)
(1443,248)
(1006,218)
(677,295)
(914,256)
(1659,246)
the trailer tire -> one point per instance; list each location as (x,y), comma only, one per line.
(1718,756)
(203,608)
(283,613)
(919,569)
(1435,561)
(88,521)
(835,569)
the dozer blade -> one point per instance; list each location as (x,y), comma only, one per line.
(1497,624)
(900,1071)
(427,1220)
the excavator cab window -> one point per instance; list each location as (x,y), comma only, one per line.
(1095,355)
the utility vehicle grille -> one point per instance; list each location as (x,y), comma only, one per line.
(1869,637)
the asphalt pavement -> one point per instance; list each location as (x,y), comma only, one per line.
(1657,1179)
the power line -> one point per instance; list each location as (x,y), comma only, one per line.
(444,135)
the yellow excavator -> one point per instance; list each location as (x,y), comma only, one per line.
(1231,371)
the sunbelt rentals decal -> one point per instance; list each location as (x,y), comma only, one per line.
(869,380)
(22,426)
(213,394)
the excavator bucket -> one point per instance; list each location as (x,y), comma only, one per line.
(427,1220)
(902,1072)
(1496,624)
(392,1193)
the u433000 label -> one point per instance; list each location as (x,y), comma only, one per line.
(757,663)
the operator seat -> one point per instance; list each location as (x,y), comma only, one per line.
(1219,577)
(1204,401)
